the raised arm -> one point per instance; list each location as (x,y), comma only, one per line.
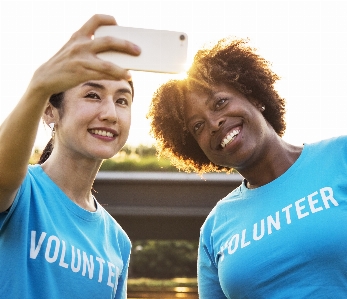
(74,63)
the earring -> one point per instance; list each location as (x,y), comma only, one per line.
(51,125)
(262,108)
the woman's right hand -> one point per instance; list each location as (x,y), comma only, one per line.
(77,62)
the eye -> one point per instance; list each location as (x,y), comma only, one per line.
(122,101)
(92,95)
(197,127)
(220,103)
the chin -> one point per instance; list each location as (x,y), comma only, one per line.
(103,155)
(104,152)
(108,155)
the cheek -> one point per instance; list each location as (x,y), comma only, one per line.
(125,121)
(78,113)
(203,143)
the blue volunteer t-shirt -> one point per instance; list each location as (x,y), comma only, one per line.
(287,239)
(52,248)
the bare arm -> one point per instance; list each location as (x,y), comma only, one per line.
(75,63)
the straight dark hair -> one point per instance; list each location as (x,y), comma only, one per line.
(57,101)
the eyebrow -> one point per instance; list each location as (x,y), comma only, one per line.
(211,96)
(100,86)
(208,100)
(124,90)
(93,84)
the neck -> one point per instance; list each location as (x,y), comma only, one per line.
(272,165)
(74,177)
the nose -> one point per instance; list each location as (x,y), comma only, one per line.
(109,111)
(215,125)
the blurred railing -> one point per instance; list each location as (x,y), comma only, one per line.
(162,205)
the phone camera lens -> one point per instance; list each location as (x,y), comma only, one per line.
(182,37)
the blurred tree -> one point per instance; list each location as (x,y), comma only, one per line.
(140,158)
(164,259)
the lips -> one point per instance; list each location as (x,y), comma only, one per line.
(230,137)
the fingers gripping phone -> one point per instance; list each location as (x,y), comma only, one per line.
(162,51)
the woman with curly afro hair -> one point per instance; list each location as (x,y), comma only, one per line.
(276,235)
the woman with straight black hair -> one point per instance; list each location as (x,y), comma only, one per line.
(56,240)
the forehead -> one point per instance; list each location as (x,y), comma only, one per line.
(211,92)
(199,100)
(109,86)
(195,103)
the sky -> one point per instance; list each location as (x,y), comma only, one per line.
(305,41)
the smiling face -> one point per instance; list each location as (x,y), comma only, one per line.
(228,127)
(95,119)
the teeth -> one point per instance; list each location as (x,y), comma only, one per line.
(230,137)
(102,133)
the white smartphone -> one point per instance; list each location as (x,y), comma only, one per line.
(162,51)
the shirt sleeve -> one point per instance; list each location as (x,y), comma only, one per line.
(6,215)
(208,280)
(121,292)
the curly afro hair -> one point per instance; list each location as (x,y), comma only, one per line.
(231,62)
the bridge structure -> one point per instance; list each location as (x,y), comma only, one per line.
(162,205)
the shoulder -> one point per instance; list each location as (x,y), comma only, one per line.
(336,142)
(114,228)
(219,212)
(36,173)
(26,194)
(31,181)
(328,149)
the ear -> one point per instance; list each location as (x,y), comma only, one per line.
(260,106)
(50,115)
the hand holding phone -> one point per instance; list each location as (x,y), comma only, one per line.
(162,51)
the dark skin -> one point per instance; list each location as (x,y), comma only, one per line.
(232,132)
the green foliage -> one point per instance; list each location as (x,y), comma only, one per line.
(148,163)
(145,151)
(140,158)
(164,259)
